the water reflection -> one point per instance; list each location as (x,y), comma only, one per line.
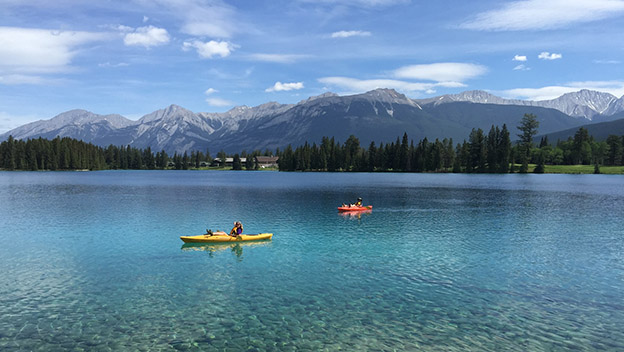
(355,214)
(236,248)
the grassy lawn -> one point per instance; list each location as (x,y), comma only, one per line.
(549,169)
(575,169)
(580,169)
(217,168)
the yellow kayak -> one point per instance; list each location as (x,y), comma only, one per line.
(225,238)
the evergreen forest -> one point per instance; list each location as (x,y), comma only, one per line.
(491,152)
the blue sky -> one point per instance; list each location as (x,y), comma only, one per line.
(133,57)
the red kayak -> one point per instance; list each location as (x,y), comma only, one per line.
(355,208)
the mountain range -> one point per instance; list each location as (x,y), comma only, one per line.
(380,115)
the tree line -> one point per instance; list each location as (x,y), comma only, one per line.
(71,154)
(481,153)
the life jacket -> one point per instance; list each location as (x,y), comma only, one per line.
(358,203)
(235,230)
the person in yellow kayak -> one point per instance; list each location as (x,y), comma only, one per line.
(237,229)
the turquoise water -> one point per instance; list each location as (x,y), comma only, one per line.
(93,261)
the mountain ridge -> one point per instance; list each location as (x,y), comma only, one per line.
(380,114)
(583,103)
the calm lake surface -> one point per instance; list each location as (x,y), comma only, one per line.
(93,261)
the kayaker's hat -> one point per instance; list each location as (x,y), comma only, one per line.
(360,198)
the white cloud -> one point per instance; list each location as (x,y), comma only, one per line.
(446,74)
(548,56)
(521,67)
(201,18)
(147,36)
(207,50)
(145,19)
(17,79)
(219,102)
(279,58)
(542,15)
(551,92)
(121,28)
(607,62)
(108,64)
(359,3)
(360,85)
(347,34)
(520,58)
(214,101)
(26,50)
(279,86)
(441,72)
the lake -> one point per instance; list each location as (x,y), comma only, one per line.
(444,262)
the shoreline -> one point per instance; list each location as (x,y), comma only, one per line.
(549,169)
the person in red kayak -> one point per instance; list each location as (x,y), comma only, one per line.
(237,229)
(356,204)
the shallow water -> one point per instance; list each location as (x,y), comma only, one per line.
(93,261)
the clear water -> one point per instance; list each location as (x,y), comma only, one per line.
(93,261)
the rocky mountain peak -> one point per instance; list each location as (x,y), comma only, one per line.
(589,96)
(584,103)
(387,95)
(477,96)
(74,116)
(244,112)
(81,117)
(172,112)
(320,96)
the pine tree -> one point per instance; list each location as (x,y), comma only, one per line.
(404,153)
(524,168)
(250,163)
(477,151)
(614,155)
(185,161)
(504,150)
(492,152)
(449,154)
(8,154)
(539,169)
(236,164)
(196,157)
(528,127)
(31,157)
(372,156)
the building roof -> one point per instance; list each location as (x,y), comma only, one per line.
(267,159)
(229,160)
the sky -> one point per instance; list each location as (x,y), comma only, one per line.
(132,57)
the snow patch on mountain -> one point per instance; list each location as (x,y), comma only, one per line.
(584,103)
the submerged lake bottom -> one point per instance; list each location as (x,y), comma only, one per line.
(444,262)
